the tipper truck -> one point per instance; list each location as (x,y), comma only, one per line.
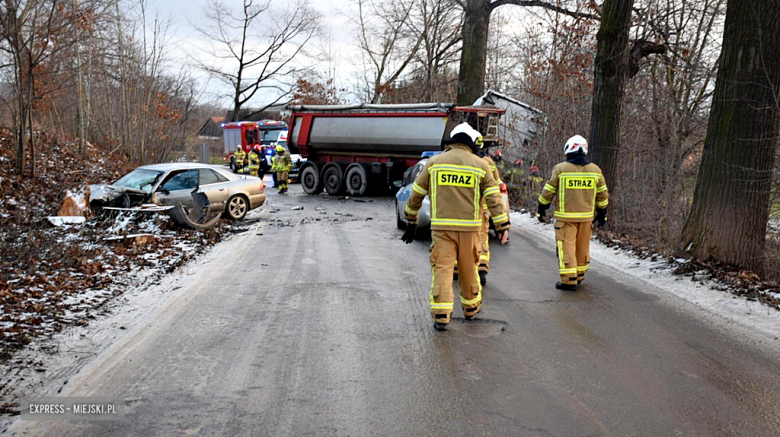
(358,148)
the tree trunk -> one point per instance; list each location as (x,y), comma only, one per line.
(122,77)
(730,208)
(82,133)
(610,76)
(476,25)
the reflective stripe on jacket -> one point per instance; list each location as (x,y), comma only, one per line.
(457,181)
(579,189)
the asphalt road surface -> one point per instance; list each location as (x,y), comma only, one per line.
(317,324)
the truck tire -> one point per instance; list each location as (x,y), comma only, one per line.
(233,167)
(356,180)
(310,179)
(333,178)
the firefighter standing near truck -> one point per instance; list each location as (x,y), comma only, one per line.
(239,158)
(582,195)
(254,161)
(457,181)
(282,166)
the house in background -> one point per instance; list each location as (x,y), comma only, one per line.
(211,130)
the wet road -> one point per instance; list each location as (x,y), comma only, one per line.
(324,330)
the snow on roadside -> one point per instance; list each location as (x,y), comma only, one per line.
(705,294)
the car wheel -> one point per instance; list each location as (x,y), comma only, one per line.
(237,207)
(357,180)
(398,222)
(334,180)
(310,179)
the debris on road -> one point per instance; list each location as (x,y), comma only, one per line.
(60,260)
(66,220)
(297,208)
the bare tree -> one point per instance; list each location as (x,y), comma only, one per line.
(388,41)
(252,51)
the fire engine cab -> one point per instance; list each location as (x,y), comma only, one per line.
(248,134)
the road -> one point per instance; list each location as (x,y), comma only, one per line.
(324,330)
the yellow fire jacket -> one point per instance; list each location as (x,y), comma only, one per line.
(580,190)
(239,156)
(493,168)
(496,176)
(254,161)
(282,162)
(457,181)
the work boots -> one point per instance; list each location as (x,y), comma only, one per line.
(567,287)
(441,321)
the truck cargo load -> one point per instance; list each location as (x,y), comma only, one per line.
(357,147)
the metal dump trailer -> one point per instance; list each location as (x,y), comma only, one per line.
(357,147)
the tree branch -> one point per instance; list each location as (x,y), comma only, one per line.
(545,5)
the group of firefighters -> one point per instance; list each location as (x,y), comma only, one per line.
(463,185)
(256,164)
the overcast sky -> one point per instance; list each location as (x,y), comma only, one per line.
(183,13)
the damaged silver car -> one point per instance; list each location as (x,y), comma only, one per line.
(194,195)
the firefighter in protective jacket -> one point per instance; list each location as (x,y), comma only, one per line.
(282,166)
(456,181)
(484,232)
(254,160)
(239,156)
(582,199)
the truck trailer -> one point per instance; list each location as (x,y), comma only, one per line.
(357,148)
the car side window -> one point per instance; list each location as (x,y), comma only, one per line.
(208,177)
(221,177)
(415,172)
(186,180)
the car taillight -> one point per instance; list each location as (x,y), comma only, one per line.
(503,187)
(262,187)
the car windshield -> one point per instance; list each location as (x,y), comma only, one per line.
(139,179)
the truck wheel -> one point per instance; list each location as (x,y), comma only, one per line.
(357,180)
(310,179)
(334,180)
(233,167)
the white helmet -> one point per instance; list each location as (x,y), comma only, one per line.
(238,147)
(465,128)
(576,144)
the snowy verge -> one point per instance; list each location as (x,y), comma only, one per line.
(705,294)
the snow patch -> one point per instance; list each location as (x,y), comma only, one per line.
(707,294)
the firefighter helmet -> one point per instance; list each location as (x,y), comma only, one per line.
(279,149)
(238,147)
(464,133)
(257,148)
(576,144)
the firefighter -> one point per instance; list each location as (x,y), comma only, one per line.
(239,158)
(581,193)
(484,232)
(254,160)
(282,166)
(457,180)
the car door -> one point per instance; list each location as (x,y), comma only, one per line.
(179,188)
(215,187)
(406,189)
